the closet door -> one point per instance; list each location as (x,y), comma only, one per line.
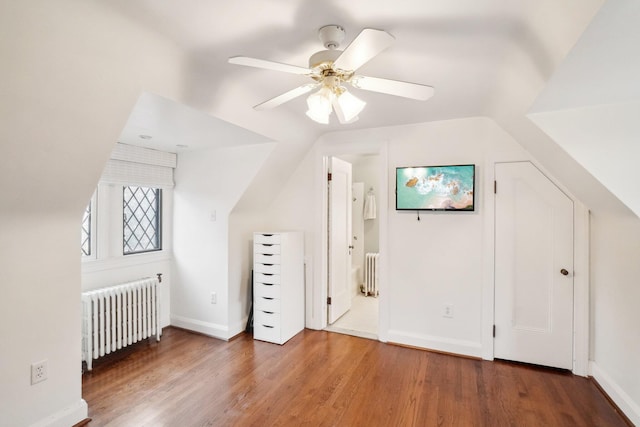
(534,268)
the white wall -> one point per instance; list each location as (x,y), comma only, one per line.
(241,229)
(294,210)
(366,169)
(208,185)
(591,104)
(357,229)
(71,73)
(432,262)
(439,259)
(615,292)
(40,317)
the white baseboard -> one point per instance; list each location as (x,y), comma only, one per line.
(206,328)
(630,408)
(447,345)
(238,328)
(65,417)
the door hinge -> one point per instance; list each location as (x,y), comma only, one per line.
(495,187)
(329,176)
(328,300)
(494,331)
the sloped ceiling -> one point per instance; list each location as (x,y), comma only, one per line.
(484,58)
(591,105)
(162,124)
(458,47)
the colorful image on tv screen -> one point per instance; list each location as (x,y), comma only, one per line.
(435,188)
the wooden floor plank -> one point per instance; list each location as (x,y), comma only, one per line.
(327,379)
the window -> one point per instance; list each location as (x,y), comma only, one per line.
(142,219)
(85,234)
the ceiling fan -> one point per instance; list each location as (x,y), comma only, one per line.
(330,69)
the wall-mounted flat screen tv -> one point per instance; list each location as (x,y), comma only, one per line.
(435,188)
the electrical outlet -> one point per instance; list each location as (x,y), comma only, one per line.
(38,372)
(447,310)
(214,298)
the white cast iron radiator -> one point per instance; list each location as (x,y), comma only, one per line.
(117,316)
(371,274)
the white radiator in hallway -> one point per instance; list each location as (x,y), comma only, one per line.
(117,316)
(371,265)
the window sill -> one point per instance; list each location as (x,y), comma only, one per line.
(123,261)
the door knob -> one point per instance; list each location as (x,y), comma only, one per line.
(564,272)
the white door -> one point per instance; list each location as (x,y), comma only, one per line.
(533,268)
(339,238)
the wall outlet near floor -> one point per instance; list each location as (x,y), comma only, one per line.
(214,298)
(447,310)
(38,372)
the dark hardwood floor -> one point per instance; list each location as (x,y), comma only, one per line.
(327,379)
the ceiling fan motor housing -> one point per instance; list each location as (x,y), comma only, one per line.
(331,36)
(324,57)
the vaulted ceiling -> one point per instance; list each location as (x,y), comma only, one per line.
(465,49)
(484,58)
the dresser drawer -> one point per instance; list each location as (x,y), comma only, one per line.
(266,268)
(269,238)
(266,318)
(266,278)
(266,332)
(267,303)
(260,248)
(266,259)
(266,290)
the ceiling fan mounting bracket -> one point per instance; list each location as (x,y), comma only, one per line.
(331,36)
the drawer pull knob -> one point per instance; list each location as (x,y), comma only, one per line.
(268,312)
(269,298)
(267,326)
(268,235)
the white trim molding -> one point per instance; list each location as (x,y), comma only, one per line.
(443,344)
(66,417)
(630,408)
(211,329)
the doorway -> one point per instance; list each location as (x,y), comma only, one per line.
(359,316)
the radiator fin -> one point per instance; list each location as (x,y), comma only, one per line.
(371,274)
(118,316)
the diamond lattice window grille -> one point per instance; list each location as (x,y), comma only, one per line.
(85,234)
(141,225)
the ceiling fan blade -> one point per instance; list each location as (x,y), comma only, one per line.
(285,97)
(393,87)
(365,46)
(269,65)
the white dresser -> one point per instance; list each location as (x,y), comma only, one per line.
(278,286)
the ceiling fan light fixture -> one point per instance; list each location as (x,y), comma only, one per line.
(349,106)
(320,105)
